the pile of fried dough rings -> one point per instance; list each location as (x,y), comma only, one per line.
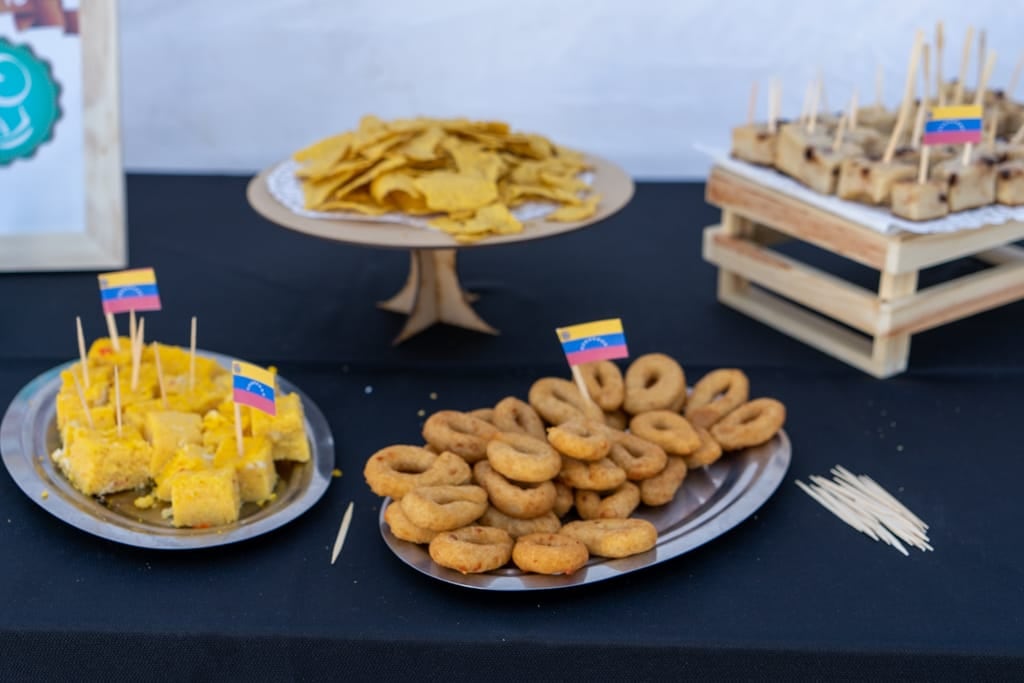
(495,485)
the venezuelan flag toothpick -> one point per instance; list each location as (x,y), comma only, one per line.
(591,342)
(253,386)
(954,125)
(129,290)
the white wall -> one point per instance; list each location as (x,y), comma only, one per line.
(234,85)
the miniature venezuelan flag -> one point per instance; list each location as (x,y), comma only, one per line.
(129,290)
(253,386)
(594,341)
(955,125)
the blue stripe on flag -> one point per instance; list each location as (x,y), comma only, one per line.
(591,342)
(952,124)
(126,291)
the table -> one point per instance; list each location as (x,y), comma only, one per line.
(791,593)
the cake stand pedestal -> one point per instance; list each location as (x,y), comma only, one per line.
(432,292)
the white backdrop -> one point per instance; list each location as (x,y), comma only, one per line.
(234,85)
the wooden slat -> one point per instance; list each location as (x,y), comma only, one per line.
(814,330)
(954,300)
(1001,255)
(797,281)
(796,218)
(914,252)
(892,353)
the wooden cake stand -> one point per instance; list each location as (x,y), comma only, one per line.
(432,292)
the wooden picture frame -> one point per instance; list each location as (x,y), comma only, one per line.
(98,240)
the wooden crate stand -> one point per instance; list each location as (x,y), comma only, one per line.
(763,283)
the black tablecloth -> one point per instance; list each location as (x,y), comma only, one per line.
(790,592)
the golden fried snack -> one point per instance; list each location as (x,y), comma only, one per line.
(546,523)
(513,415)
(708,452)
(654,382)
(472,549)
(613,537)
(661,488)
(581,439)
(564,499)
(485,414)
(751,424)
(460,433)
(669,430)
(602,475)
(396,470)
(402,528)
(616,504)
(715,395)
(443,508)
(638,458)
(522,457)
(549,553)
(604,384)
(617,419)
(521,500)
(558,400)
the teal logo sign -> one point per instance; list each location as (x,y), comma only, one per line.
(29,105)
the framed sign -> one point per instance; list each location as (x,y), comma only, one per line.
(61,174)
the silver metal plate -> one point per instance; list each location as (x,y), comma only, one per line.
(711,501)
(28,435)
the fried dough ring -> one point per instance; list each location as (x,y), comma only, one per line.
(460,433)
(669,430)
(547,523)
(602,475)
(581,439)
(485,414)
(654,382)
(402,528)
(549,553)
(662,487)
(613,537)
(716,395)
(604,384)
(639,458)
(564,499)
(472,549)
(523,457)
(617,504)
(708,452)
(751,424)
(396,470)
(523,501)
(617,419)
(443,508)
(558,400)
(513,415)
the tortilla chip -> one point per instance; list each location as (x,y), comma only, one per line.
(447,191)
(571,214)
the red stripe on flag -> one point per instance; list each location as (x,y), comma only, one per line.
(247,398)
(952,137)
(132,303)
(598,353)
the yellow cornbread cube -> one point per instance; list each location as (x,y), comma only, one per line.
(101,352)
(286,430)
(70,413)
(205,498)
(76,423)
(257,476)
(134,414)
(190,458)
(98,462)
(219,427)
(167,431)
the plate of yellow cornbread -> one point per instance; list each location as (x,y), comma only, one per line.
(169,476)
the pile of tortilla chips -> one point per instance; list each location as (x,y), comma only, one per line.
(468,174)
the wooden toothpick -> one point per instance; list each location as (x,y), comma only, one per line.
(132,331)
(238,431)
(815,100)
(983,78)
(940,44)
(853,110)
(339,540)
(982,53)
(922,169)
(137,355)
(752,104)
(81,351)
(837,143)
(117,400)
(1012,85)
(774,97)
(580,384)
(192,357)
(81,398)
(115,339)
(879,76)
(965,60)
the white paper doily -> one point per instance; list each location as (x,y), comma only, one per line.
(878,219)
(287,189)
